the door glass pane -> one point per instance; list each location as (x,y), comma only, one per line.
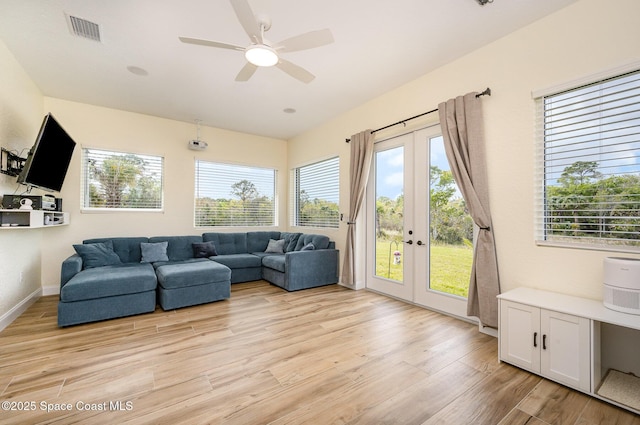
(389,213)
(450,228)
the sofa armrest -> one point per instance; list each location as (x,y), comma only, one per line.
(306,269)
(70,267)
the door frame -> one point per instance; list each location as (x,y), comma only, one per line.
(415,288)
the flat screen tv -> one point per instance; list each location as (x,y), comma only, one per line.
(48,160)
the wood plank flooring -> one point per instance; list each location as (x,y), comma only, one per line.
(320,356)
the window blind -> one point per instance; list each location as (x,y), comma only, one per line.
(119,180)
(589,164)
(234,195)
(316,194)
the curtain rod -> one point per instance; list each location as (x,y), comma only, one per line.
(404,121)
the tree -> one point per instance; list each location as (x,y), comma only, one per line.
(247,192)
(586,205)
(116,175)
(450,222)
(580,172)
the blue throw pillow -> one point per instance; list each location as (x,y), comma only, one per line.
(308,247)
(204,250)
(275,246)
(154,252)
(97,254)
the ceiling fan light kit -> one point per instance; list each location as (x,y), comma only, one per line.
(261,55)
(260,52)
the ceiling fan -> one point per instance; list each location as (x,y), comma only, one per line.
(261,53)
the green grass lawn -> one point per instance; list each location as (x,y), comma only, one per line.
(450,266)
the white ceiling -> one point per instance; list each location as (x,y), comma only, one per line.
(379,45)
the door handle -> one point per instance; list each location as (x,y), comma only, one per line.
(544,342)
(420,243)
(410,242)
(535,339)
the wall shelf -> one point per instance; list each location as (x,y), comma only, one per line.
(30,219)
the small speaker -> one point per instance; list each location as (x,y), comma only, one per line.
(622,284)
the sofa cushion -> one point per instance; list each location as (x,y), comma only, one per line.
(290,240)
(238,261)
(109,281)
(97,254)
(127,248)
(204,250)
(308,247)
(258,241)
(275,246)
(179,247)
(275,262)
(228,243)
(188,260)
(192,273)
(153,252)
(318,241)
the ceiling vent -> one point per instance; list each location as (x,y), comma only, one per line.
(83,28)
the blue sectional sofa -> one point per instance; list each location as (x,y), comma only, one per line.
(123,276)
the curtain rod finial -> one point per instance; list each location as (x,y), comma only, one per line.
(486,92)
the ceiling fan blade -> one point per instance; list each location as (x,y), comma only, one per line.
(295,71)
(209,43)
(246,72)
(247,20)
(305,41)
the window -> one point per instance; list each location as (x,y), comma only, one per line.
(121,181)
(234,195)
(315,194)
(590,165)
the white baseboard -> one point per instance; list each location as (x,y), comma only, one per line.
(357,286)
(50,290)
(488,330)
(20,308)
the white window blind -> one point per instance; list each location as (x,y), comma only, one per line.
(234,195)
(121,181)
(315,194)
(590,164)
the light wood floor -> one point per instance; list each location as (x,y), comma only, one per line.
(321,356)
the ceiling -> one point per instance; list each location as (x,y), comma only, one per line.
(379,45)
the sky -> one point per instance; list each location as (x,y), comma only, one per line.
(390,167)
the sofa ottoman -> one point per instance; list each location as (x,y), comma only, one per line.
(106,293)
(187,283)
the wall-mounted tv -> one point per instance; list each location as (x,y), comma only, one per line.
(49,158)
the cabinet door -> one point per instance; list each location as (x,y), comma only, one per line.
(565,349)
(520,335)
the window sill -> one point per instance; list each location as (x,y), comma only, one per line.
(119,210)
(627,249)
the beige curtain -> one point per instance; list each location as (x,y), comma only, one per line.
(462,129)
(360,164)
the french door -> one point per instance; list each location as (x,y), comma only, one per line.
(417,229)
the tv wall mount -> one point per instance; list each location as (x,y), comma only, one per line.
(11,163)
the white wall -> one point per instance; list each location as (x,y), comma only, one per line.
(585,38)
(97,127)
(20,117)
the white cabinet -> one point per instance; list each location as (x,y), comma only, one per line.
(575,341)
(520,335)
(545,342)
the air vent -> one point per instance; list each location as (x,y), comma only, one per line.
(83,28)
